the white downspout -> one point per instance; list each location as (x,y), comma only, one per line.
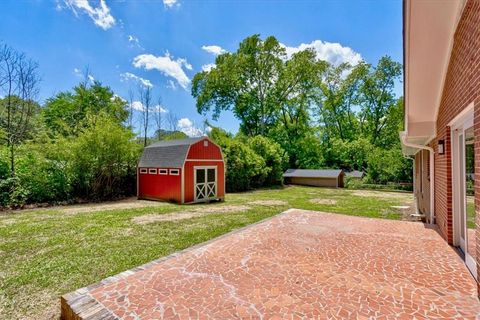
(432,176)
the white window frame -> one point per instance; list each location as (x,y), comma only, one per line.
(163,172)
(172,173)
(152,170)
(458,126)
(205,143)
(143,170)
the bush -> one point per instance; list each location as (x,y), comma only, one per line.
(251,161)
(388,166)
(43,177)
(12,193)
(245,169)
(351,155)
(274,157)
(103,160)
(38,177)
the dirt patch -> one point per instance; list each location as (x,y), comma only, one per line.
(222,209)
(330,202)
(129,204)
(270,202)
(381,194)
(182,215)
(7,222)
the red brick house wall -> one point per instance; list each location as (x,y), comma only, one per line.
(461,88)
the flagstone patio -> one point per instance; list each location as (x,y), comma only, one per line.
(297,265)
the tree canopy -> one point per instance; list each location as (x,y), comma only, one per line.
(321,114)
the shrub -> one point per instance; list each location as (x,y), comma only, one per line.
(274,157)
(388,166)
(12,193)
(41,174)
(245,169)
(103,160)
(351,155)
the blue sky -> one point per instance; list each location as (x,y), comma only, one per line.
(163,43)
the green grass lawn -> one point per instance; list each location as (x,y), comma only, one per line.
(470,212)
(45,253)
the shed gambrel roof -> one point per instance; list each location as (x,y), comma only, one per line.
(167,154)
(307,173)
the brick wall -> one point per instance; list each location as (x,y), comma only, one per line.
(462,87)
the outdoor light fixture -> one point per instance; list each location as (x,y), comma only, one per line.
(441,147)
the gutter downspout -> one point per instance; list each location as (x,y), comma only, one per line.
(432,174)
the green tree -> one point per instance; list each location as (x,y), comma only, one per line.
(19,88)
(379,105)
(274,157)
(103,158)
(340,96)
(66,113)
(255,82)
(388,166)
(162,134)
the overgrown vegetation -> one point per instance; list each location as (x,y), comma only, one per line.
(295,111)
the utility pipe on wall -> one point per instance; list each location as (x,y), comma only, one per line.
(432,177)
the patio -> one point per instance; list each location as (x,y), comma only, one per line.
(299,264)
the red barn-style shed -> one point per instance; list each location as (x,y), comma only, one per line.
(184,171)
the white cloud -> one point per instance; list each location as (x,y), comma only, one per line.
(166,65)
(334,53)
(116,96)
(208,67)
(77,72)
(188,127)
(100,14)
(137,105)
(213,49)
(159,109)
(130,76)
(170,3)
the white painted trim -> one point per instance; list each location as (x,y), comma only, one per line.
(432,174)
(143,170)
(138,181)
(204,160)
(174,174)
(152,170)
(182,184)
(460,118)
(165,172)
(462,121)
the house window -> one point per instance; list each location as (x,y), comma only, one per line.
(205,143)
(152,171)
(163,171)
(174,172)
(143,170)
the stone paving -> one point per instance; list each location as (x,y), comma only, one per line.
(297,265)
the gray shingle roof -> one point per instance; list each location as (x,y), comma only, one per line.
(167,154)
(307,173)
